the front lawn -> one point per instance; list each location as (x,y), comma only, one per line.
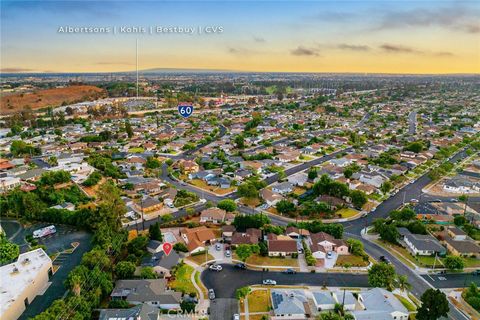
(259,301)
(347,212)
(136,150)
(182,280)
(407,304)
(203,185)
(200,258)
(471,262)
(251,202)
(271,261)
(350,261)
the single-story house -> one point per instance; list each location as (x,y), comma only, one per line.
(289,304)
(321,243)
(212,215)
(423,245)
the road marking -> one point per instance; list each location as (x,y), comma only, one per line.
(442,278)
(430,277)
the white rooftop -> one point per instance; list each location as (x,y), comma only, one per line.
(16,277)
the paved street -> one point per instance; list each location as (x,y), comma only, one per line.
(229,279)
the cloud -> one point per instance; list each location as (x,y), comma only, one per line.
(457,19)
(394,48)
(16,70)
(333,16)
(353,47)
(239,51)
(259,39)
(105,63)
(302,51)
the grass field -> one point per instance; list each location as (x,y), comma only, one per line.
(269,261)
(199,259)
(259,301)
(347,212)
(251,202)
(182,280)
(351,261)
(136,150)
(407,304)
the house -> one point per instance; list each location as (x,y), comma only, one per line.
(372,179)
(380,304)
(227,232)
(250,236)
(22,280)
(323,300)
(187,166)
(299,179)
(321,243)
(8,183)
(281,246)
(423,245)
(140,312)
(153,292)
(456,233)
(346,298)
(271,198)
(161,263)
(64,206)
(149,204)
(197,238)
(289,304)
(283,188)
(212,215)
(462,184)
(462,247)
(296,233)
(154,246)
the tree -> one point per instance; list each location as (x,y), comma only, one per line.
(402,283)
(312,173)
(459,220)
(356,247)
(128,129)
(8,250)
(96,257)
(154,232)
(382,275)
(239,141)
(359,198)
(153,163)
(187,306)
(124,269)
(247,190)
(454,262)
(148,273)
(415,146)
(138,246)
(386,187)
(241,293)
(388,232)
(434,305)
(243,222)
(228,205)
(244,251)
(180,247)
(285,207)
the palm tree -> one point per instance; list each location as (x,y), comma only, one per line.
(76,284)
(402,283)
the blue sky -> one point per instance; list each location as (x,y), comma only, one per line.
(315,36)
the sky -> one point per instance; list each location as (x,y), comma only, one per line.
(413,37)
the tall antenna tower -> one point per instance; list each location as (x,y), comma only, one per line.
(136,58)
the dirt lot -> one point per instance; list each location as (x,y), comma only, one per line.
(48,97)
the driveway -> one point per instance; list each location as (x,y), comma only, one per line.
(330,263)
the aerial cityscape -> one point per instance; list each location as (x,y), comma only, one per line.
(240,160)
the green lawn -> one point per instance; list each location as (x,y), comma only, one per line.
(136,150)
(407,304)
(259,301)
(471,262)
(347,212)
(182,280)
(350,261)
(200,258)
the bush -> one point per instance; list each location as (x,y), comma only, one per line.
(180,247)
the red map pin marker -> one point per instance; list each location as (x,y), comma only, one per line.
(167,248)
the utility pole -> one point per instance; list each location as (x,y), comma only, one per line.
(143,219)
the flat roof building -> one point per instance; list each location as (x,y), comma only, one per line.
(21,281)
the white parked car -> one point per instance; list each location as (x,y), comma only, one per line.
(228,253)
(269,282)
(236,316)
(215,267)
(211,294)
(329,255)
(218,247)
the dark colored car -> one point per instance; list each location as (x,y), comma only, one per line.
(476,272)
(384,259)
(289,271)
(241,266)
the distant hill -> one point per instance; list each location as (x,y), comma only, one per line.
(49,97)
(180,70)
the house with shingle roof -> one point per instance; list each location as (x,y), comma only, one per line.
(197,238)
(213,215)
(321,243)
